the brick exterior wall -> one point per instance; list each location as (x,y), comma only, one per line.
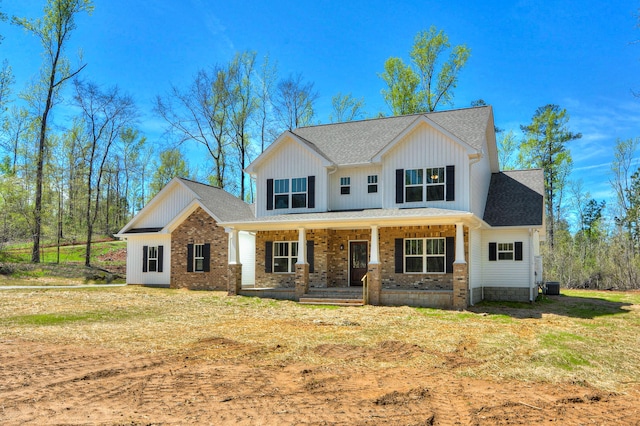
(199,228)
(331,264)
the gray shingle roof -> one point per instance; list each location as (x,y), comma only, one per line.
(359,141)
(516,198)
(225,206)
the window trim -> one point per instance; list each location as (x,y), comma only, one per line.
(291,258)
(504,252)
(441,178)
(345,185)
(372,184)
(197,257)
(150,258)
(289,193)
(407,186)
(425,255)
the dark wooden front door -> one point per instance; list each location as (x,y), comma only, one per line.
(358,254)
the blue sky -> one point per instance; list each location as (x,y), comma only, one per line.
(524,54)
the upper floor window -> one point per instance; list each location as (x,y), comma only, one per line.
(372,183)
(424,255)
(281,191)
(425,184)
(285,255)
(345,185)
(298,193)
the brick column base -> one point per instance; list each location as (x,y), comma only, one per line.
(374,282)
(302,280)
(234,279)
(460,286)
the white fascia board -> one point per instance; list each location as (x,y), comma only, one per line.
(251,168)
(422,120)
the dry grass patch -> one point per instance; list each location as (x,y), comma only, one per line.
(575,338)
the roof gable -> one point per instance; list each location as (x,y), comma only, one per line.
(358,142)
(287,136)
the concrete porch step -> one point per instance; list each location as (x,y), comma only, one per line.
(330,301)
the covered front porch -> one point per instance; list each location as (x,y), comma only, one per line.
(418,263)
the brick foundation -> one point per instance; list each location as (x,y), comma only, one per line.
(199,228)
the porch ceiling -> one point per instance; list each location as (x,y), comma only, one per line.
(358,219)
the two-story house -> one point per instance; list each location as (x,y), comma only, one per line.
(415,203)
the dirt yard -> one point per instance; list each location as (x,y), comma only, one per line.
(84,378)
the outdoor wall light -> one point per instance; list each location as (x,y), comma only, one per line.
(341,246)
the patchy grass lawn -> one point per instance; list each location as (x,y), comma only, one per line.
(580,337)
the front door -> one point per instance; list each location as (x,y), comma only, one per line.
(357,262)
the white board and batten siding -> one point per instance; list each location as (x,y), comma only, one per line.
(359,196)
(506,273)
(479,183)
(425,147)
(135,244)
(291,160)
(166,207)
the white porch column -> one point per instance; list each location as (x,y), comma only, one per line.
(460,243)
(234,246)
(302,246)
(374,256)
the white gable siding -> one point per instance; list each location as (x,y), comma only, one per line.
(426,147)
(165,208)
(506,273)
(480,181)
(134,259)
(291,160)
(359,197)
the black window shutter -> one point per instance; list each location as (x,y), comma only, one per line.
(399,186)
(268,256)
(451,183)
(145,251)
(311,195)
(518,250)
(450,253)
(493,251)
(310,255)
(206,253)
(160,256)
(269,194)
(399,255)
(189,257)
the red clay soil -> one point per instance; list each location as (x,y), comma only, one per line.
(58,384)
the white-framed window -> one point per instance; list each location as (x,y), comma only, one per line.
(345,185)
(505,251)
(372,184)
(413,184)
(285,256)
(424,256)
(424,184)
(281,193)
(152,259)
(435,183)
(198,257)
(298,193)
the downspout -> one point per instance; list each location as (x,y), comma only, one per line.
(532,279)
(332,169)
